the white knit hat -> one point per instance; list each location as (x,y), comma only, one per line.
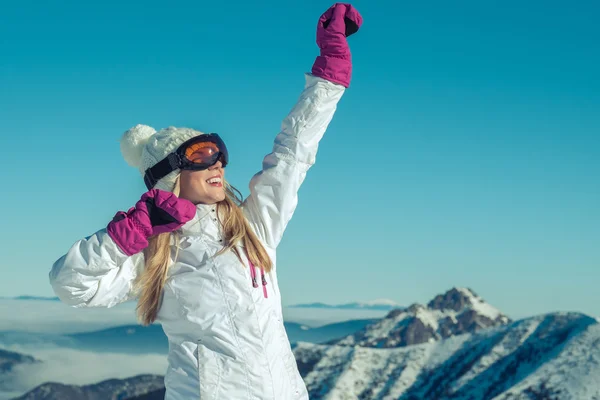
(143,147)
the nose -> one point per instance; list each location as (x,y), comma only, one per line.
(217,165)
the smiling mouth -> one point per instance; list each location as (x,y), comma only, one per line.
(215,182)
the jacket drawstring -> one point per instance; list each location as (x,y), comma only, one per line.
(262,275)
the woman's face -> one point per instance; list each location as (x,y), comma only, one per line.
(196,188)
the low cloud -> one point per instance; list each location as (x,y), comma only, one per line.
(75,367)
(56,317)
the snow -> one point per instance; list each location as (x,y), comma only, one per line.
(574,371)
(385,373)
(517,334)
(430,318)
(381,302)
(560,350)
(382,331)
(479,305)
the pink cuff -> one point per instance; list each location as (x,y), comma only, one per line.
(337,70)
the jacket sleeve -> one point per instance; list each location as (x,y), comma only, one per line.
(274,190)
(95,273)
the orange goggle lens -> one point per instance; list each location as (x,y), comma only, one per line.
(201,153)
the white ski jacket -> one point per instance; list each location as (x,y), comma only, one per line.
(226,339)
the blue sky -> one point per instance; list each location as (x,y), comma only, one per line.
(465,153)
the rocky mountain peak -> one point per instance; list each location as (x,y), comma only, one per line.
(457,311)
(413,309)
(455,299)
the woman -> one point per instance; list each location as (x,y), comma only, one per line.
(191,251)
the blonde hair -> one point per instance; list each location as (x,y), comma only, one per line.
(236,229)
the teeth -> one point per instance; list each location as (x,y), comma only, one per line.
(214,180)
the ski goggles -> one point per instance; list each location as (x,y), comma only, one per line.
(196,154)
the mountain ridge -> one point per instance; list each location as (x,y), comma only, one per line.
(457,311)
(555,354)
(455,347)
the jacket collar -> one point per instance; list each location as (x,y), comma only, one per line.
(204,222)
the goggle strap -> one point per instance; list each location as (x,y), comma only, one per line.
(161,169)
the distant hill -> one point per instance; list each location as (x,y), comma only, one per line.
(10,359)
(322,334)
(31,298)
(380,305)
(129,388)
(138,339)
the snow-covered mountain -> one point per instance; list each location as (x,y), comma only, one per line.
(455,312)
(456,347)
(550,357)
(379,304)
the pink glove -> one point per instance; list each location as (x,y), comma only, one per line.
(156,212)
(335,25)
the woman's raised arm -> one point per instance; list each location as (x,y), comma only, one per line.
(274,190)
